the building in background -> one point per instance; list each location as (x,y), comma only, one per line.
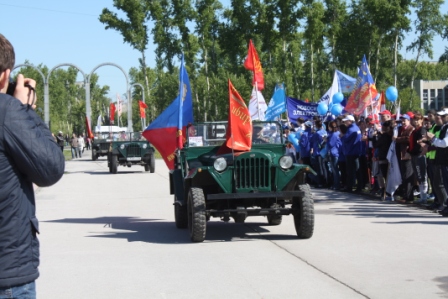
(434,94)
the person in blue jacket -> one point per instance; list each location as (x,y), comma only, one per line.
(351,145)
(333,145)
(317,144)
(28,155)
(305,144)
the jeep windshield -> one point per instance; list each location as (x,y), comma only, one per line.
(123,136)
(214,133)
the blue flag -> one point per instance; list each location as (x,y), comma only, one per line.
(167,131)
(277,104)
(345,82)
(298,108)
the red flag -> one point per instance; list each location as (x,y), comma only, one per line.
(239,131)
(89,130)
(253,63)
(112,112)
(361,98)
(142,107)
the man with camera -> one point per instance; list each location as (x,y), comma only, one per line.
(28,155)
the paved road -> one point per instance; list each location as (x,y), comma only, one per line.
(113,236)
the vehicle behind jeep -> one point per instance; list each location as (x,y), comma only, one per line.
(210,182)
(130,149)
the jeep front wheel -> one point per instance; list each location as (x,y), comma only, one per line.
(196,214)
(303,211)
(113,164)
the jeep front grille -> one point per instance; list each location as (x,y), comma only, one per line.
(133,150)
(252,174)
(104,146)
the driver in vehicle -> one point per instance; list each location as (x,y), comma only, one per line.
(257,134)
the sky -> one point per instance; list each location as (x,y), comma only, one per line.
(52,32)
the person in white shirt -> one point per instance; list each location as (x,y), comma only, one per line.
(81,145)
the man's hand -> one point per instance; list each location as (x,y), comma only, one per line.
(25,94)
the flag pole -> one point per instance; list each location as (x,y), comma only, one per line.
(256,84)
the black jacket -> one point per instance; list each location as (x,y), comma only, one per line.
(28,154)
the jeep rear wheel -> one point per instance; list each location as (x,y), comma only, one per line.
(196,214)
(94,155)
(146,167)
(303,211)
(152,164)
(113,164)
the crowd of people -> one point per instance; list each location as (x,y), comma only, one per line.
(364,154)
(77,143)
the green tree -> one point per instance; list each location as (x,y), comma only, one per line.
(133,29)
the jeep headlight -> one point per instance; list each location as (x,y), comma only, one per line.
(220,164)
(122,146)
(285,162)
(145,145)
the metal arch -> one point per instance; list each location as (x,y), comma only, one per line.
(86,87)
(143,100)
(127,90)
(46,99)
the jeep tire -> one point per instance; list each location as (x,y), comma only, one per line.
(113,164)
(196,214)
(152,164)
(303,212)
(94,155)
(180,215)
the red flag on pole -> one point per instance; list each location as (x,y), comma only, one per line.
(112,112)
(253,63)
(239,131)
(142,107)
(89,130)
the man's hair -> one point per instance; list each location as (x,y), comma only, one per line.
(431,111)
(7,55)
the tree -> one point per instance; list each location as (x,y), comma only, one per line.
(133,29)
(429,22)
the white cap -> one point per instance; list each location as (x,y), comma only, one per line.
(349,117)
(308,124)
(443,112)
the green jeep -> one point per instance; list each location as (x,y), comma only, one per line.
(101,145)
(131,149)
(261,182)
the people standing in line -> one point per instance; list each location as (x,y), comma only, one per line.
(28,155)
(342,163)
(418,158)
(381,142)
(305,144)
(81,145)
(435,165)
(60,140)
(333,145)
(364,170)
(441,145)
(407,174)
(74,146)
(351,145)
(316,144)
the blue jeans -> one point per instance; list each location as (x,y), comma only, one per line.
(24,291)
(74,152)
(335,170)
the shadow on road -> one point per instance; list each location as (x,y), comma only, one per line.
(164,232)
